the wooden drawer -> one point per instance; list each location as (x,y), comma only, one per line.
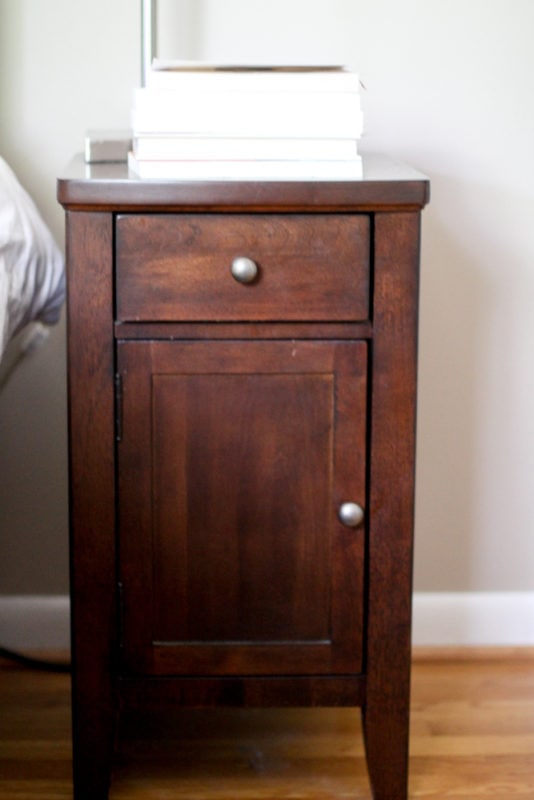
(311,267)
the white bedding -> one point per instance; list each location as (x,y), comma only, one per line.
(32,276)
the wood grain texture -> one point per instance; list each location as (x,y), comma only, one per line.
(387,185)
(234,459)
(243,330)
(472,737)
(92,495)
(173,267)
(242,692)
(392,454)
(321,601)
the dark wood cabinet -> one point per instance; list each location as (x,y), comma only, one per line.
(242,362)
(234,458)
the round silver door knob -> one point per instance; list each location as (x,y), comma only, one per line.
(244,269)
(351,514)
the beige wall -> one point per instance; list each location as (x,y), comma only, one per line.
(449,88)
(65,65)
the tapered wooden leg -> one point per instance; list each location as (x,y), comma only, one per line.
(92,499)
(93,712)
(92,762)
(92,745)
(386,745)
(391,504)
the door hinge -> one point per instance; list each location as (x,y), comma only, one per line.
(118,407)
(120,599)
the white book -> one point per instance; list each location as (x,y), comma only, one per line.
(168,148)
(304,114)
(200,77)
(247,170)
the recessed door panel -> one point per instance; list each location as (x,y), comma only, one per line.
(234,460)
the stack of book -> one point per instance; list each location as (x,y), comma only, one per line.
(196,121)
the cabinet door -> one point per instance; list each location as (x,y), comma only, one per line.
(233,462)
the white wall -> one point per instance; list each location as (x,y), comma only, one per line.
(65,65)
(450,89)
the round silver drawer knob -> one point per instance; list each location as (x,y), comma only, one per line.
(350,514)
(244,269)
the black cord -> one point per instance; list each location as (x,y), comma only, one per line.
(34,663)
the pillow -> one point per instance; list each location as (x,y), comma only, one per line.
(32,274)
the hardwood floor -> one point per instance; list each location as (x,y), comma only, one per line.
(472,737)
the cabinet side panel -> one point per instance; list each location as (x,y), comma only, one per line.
(391,499)
(92,501)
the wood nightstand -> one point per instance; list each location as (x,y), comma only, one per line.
(242,373)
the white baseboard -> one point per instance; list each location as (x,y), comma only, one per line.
(473,619)
(33,622)
(470,619)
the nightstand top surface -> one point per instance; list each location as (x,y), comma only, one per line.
(386,185)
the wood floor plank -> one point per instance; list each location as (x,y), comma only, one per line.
(472,738)
(245,754)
